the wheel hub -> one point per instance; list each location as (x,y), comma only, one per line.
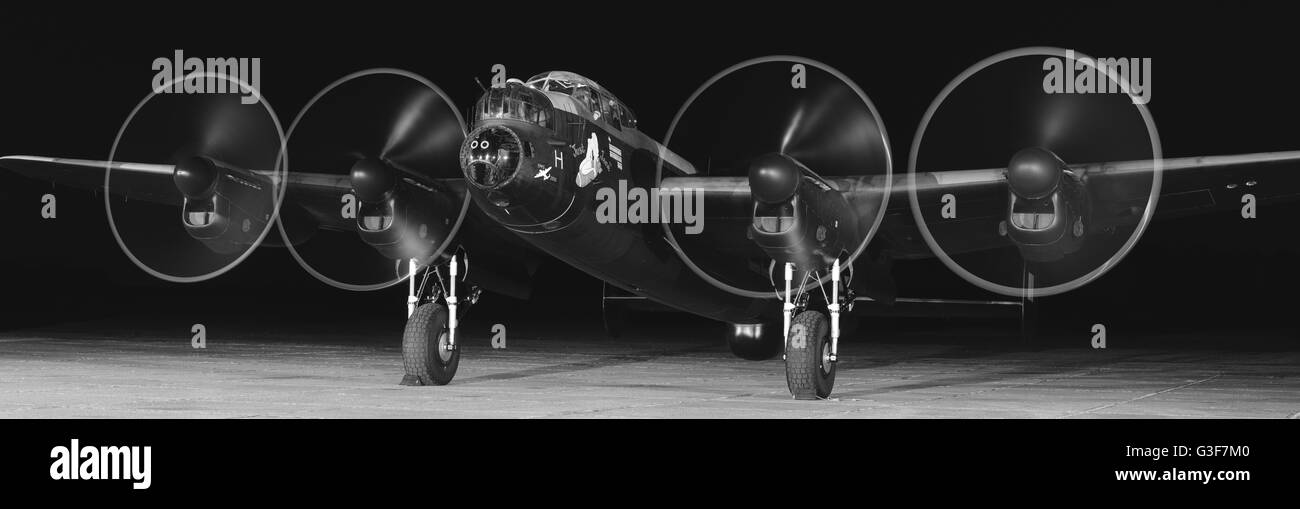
(827,365)
(443,353)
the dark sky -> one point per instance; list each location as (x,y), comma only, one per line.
(1224,82)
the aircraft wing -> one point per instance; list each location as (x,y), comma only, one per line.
(148,182)
(505,263)
(1188,184)
(1119,191)
(317,194)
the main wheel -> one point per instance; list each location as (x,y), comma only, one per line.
(424,348)
(809,372)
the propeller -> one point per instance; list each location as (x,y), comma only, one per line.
(752,121)
(832,132)
(1082,128)
(225,159)
(999,108)
(391,135)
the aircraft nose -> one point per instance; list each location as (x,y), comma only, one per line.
(490,156)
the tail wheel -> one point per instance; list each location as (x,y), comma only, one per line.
(614,316)
(424,348)
(809,372)
(755,342)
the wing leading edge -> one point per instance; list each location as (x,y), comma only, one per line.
(1190,185)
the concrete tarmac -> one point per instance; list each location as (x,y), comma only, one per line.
(80,372)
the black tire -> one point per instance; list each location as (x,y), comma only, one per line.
(423,354)
(808,371)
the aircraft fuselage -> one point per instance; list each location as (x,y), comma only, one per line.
(537,160)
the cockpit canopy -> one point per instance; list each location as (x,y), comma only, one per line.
(587,93)
(515,101)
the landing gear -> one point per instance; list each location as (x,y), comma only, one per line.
(430,354)
(1028,310)
(812,338)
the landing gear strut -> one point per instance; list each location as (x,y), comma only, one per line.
(812,338)
(430,353)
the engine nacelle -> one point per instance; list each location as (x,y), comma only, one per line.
(798,218)
(226,209)
(1048,206)
(411,223)
(401,217)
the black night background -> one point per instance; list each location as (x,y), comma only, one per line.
(1217,90)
